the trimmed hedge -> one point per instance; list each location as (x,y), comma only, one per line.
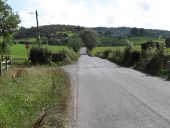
(40,55)
(45,56)
(65,56)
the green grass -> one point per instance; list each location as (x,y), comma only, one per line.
(113,48)
(136,47)
(19,50)
(25,92)
(105,39)
(141,40)
(136,40)
(24,40)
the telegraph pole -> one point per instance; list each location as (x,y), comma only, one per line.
(38,31)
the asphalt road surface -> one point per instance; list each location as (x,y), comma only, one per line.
(109,96)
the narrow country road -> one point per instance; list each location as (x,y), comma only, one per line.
(109,96)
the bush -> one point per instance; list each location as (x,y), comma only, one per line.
(99,54)
(57,57)
(151,62)
(135,57)
(127,54)
(40,55)
(65,56)
(167,41)
(116,56)
(106,53)
(153,67)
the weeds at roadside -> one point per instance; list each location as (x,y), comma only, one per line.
(24,93)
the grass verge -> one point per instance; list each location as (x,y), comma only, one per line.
(27,96)
(115,48)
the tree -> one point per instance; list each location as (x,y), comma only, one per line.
(89,38)
(141,31)
(8,23)
(75,43)
(167,42)
(134,31)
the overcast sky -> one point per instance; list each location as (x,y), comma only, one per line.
(92,13)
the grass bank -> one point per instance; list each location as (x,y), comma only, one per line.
(27,96)
(115,48)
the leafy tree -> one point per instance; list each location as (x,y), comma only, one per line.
(134,31)
(141,31)
(75,43)
(89,38)
(8,23)
(167,41)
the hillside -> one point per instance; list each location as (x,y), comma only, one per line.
(59,34)
(125,31)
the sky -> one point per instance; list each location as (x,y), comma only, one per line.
(151,14)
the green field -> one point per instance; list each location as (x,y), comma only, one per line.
(136,47)
(24,40)
(136,40)
(19,50)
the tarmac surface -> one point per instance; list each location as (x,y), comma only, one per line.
(109,96)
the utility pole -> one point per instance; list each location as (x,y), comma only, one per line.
(38,31)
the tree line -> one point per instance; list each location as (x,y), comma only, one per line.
(8,24)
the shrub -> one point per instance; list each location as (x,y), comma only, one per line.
(151,61)
(65,56)
(40,55)
(116,56)
(106,53)
(57,57)
(99,54)
(167,41)
(135,57)
(127,58)
(127,54)
(154,65)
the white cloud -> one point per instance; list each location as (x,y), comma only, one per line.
(112,13)
(27,19)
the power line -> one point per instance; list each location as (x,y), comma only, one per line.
(44,20)
(33,13)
